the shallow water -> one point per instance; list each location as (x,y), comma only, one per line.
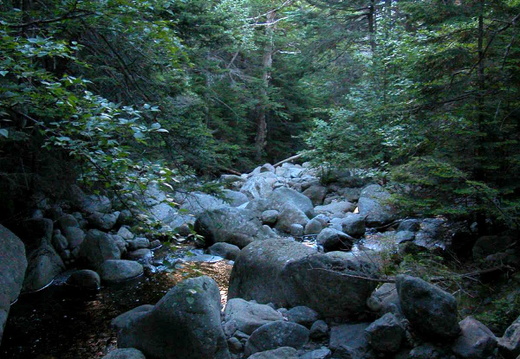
(62,323)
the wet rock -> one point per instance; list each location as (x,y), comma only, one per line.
(289,216)
(119,270)
(12,267)
(337,289)
(373,203)
(284,197)
(44,265)
(276,335)
(386,334)
(85,279)
(476,340)
(350,341)
(431,311)
(280,353)
(224,250)
(249,316)
(509,344)
(270,216)
(314,226)
(332,240)
(353,225)
(231,225)
(302,315)
(235,198)
(409,225)
(319,330)
(97,247)
(338,209)
(316,194)
(126,353)
(143,255)
(138,243)
(103,221)
(257,270)
(185,323)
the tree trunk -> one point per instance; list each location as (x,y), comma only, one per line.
(267,63)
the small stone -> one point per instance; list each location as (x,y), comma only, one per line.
(296,230)
(302,315)
(319,330)
(85,279)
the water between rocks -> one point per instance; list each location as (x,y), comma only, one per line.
(60,323)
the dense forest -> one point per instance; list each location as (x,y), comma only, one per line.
(420,95)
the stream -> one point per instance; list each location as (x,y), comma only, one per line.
(59,322)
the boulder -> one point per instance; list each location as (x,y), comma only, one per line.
(143,255)
(44,265)
(354,225)
(284,197)
(270,216)
(185,323)
(138,243)
(85,279)
(197,202)
(234,198)
(224,250)
(12,266)
(319,330)
(90,204)
(126,353)
(260,185)
(257,270)
(333,240)
(431,311)
(68,220)
(125,233)
(97,247)
(276,335)
(314,226)
(385,299)
(322,353)
(338,209)
(59,242)
(373,203)
(316,194)
(75,236)
(509,344)
(167,215)
(409,225)
(231,225)
(132,315)
(248,316)
(433,233)
(331,285)
(280,353)
(350,341)
(297,230)
(476,340)
(386,334)
(302,315)
(290,215)
(103,221)
(119,270)
(290,170)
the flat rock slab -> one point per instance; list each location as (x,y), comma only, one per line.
(118,270)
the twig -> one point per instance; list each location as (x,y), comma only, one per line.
(295,157)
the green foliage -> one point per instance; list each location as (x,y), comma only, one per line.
(500,313)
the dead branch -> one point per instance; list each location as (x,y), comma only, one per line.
(295,157)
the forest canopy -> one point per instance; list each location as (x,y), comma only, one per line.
(420,95)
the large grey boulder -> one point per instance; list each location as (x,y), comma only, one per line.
(431,311)
(259,185)
(354,225)
(91,203)
(374,204)
(316,194)
(257,270)
(350,341)
(385,299)
(302,315)
(276,335)
(119,270)
(44,265)
(103,221)
(12,267)
(476,340)
(198,202)
(98,247)
(337,209)
(224,250)
(231,225)
(234,198)
(333,285)
(248,316)
(333,240)
(433,233)
(386,334)
(509,343)
(290,215)
(185,323)
(282,197)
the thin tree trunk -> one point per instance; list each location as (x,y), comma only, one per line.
(267,64)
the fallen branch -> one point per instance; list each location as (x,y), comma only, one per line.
(433,279)
(295,157)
